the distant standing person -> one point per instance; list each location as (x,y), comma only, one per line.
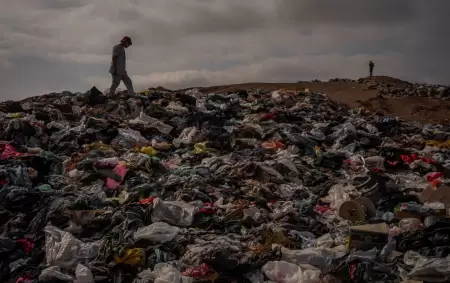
(371,65)
(118,67)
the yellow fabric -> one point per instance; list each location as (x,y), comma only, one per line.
(200,148)
(99,146)
(144,92)
(318,151)
(439,144)
(149,150)
(121,198)
(131,257)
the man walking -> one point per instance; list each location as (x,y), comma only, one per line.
(117,69)
(371,65)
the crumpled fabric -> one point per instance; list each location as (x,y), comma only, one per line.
(285,272)
(158,232)
(9,152)
(219,187)
(16,176)
(162,273)
(121,171)
(173,212)
(64,250)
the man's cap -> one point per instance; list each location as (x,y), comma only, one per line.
(126,39)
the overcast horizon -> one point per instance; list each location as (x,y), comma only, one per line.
(51,46)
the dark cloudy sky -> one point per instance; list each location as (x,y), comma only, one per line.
(55,45)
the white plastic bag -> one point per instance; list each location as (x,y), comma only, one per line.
(187,136)
(158,232)
(277,96)
(54,272)
(83,275)
(317,257)
(128,138)
(325,241)
(339,193)
(173,212)
(428,269)
(341,132)
(64,250)
(163,273)
(307,238)
(285,272)
(176,108)
(152,122)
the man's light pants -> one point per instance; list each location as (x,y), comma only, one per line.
(116,82)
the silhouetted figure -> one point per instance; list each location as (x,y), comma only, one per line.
(371,65)
(118,70)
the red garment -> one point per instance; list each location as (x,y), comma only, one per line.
(148,200)
(9,151)
(415,157)
(321,209)
(268,116)
(197,271)
(435,183)
(434,176)
(429,161)
(408,159)
(352,270)
(24,279)
(27,245)
(207,209)
(392,163)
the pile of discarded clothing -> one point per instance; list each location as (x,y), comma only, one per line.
(342,80)
(248,186)
(401,89)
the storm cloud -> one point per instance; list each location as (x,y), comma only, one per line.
(55,45)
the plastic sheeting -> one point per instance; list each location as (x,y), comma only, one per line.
(62,249)
(173,212)
(158,232)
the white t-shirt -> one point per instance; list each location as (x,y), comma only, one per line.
(119,51)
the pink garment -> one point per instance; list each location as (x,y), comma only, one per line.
(27,245)
(434,176)
(120,170)
(9,151)
(197,271)
(321,209)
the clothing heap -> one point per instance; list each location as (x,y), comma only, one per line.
(401,89)
(245,186)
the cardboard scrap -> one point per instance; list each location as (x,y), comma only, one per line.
(366,237)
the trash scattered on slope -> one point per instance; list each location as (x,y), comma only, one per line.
(251,186)
(401,88)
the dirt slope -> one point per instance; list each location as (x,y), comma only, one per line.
(420,109)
